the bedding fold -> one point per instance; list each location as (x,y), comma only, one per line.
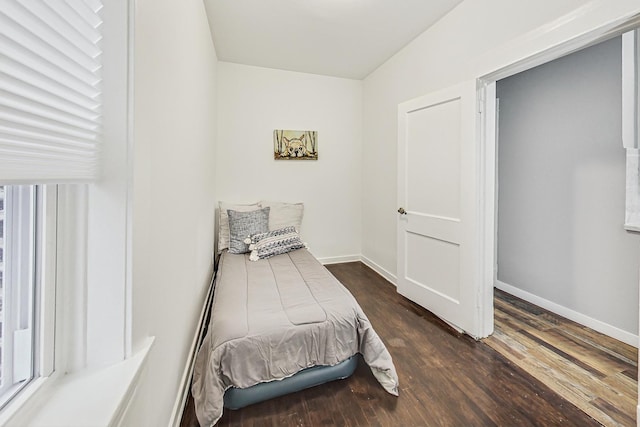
(274,317)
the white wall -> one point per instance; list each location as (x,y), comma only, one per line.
(562,187)
(252,102)
(173,192)
(476,38)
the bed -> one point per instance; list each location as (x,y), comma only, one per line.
(278,325)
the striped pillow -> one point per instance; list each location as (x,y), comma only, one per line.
(272,243)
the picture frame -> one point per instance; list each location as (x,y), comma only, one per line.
(295,144)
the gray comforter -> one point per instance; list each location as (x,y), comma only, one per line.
(275,317)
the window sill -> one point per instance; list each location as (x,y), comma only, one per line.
(88,398)
(634,228)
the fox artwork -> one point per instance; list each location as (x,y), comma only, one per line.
(295,145)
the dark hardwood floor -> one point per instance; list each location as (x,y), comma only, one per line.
(446,379)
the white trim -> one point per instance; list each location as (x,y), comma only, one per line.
(339,259)
(107,240)
(630,89)
(630,227)
(88,397)
(486,222)
(632,190)
(21,400)
(71,289)
(585,26)
(47,279)
(134,367)
(390,277)
(185,381)
(630,117)
(131,14)
(596,325)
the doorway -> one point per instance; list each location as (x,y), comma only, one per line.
(560,239)
(561,242)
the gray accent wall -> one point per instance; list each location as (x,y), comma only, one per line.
(561,187)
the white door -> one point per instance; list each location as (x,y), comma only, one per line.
(438,170)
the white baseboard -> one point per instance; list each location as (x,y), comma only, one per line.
(366,261)
(339,259)
(183,391)
(596,325)
(381,271)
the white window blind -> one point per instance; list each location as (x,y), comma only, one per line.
(50,90)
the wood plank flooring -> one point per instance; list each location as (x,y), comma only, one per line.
(596,373)
(446,379)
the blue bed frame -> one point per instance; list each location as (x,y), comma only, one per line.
(236,398)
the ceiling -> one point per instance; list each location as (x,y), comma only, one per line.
(342,38)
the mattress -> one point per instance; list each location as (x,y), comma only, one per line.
(275,317)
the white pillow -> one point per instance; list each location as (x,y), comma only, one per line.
(284,214)
(223,224)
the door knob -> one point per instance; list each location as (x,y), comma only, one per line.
(401,211)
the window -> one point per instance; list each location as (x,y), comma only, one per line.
(50,133)
(18,287)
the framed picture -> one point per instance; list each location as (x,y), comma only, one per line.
(295,144)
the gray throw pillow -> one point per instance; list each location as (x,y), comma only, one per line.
(243,225)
